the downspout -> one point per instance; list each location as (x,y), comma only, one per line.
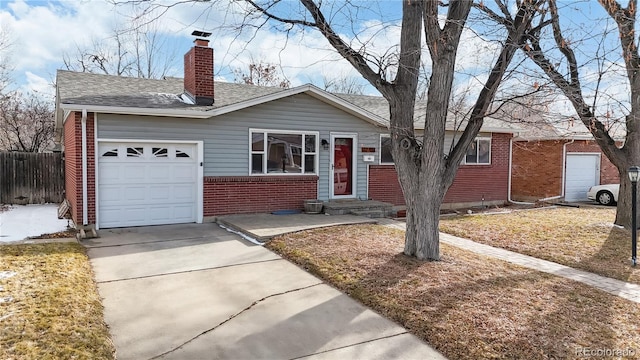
(564,172)
(509,181)
(85,201)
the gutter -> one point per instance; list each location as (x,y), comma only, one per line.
(197,114)
(85,201)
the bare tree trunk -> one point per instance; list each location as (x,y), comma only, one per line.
(422,235)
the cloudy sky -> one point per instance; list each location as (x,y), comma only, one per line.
(43,33)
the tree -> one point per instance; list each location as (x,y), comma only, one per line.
(5,68)
(343,85)
(261,74)
(424,170)
(561,52)
(135,52)
(26,123)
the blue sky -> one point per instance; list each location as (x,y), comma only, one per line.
(42,32)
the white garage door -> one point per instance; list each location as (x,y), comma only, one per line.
(146,184)
(583,171)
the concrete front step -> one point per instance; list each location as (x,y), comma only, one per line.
(369,208)
(373,214)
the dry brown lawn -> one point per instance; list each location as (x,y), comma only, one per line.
(467,306)
(49,304)
(581,238)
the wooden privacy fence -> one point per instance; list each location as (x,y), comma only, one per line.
(31,178)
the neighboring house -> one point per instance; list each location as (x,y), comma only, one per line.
(557,160)
(145,152)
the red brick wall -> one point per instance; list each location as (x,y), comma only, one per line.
(384,184)
(198,70)
(537,167)
(472,182)
(72,162)
(255,194)
(73,166)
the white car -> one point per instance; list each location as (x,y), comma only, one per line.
(604,194)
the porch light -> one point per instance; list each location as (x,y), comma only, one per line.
(325,144)
(634,172)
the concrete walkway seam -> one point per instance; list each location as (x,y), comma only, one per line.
(350,345)
(186,271)
(232,317)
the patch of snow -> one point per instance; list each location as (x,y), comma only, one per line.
(244,236)
(7,299)
(7,274)
(22,221)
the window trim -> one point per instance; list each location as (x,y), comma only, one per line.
(479,138)
(303,155)
(380,162)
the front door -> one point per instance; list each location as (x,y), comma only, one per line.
(343,166)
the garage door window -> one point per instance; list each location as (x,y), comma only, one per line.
(147,152)
(181,154)
(134,152)
(109,153)
(160,152)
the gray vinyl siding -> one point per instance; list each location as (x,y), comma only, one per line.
(226,137)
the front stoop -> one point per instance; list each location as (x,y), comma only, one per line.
(368,208)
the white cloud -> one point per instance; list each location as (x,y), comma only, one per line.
(39,85)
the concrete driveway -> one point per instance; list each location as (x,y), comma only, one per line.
(197,291)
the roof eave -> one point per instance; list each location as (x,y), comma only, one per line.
(179,113)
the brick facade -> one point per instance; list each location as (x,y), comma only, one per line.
(255,194)
(198,72)
(537,167)
(73,166)
(472,184)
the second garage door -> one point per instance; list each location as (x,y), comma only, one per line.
(146,184)
(582,172)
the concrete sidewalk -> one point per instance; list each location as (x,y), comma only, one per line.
(196,291)
(623,289)
(263,227)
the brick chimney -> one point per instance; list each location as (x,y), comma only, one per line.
(198,73)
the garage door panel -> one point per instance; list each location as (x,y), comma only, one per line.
(183,173)
(183,193)
(161,213)
(183,212)
(109,173)
(134,193)
(110,194)
(151,188)
(160,173)
(160,192)
(132,173)
(109,217)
